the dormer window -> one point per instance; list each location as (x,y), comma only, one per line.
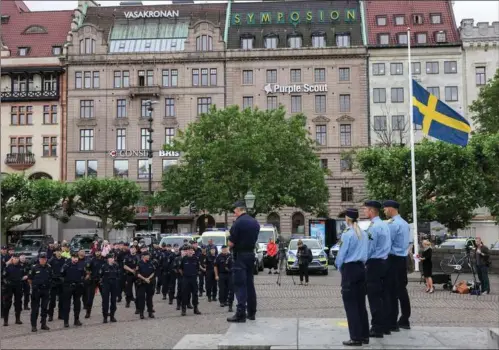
(421,38)
(440,37)
(295,41)
(383,39)
(23,51)
(35,29)
(343,40)
(417,19)
(381,21)
(247,42)
(319,39)
(399,20)
(56,50)
(271,41)
(402,38)
(5,19)
(436,18)
(204,43)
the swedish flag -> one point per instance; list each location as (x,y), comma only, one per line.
(438,120)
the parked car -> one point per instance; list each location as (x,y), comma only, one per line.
(83,241)
(258,259)
(175,238)
(457,243)
(319,262)
(333,252)
(32,245)
(495,246)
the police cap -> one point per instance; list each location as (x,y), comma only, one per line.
(239,204)
(391,204)
(42,256)
(372,204)
(145,254)
(352,213)
(126,244)
(4,247)
(163,245)
(110,255)
(74,255)
(11,247)
(175,245)
(16,255)
(192,241)
(224,246)
(168,245)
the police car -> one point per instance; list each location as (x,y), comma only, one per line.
(176,238)
(319,256)
(333,253)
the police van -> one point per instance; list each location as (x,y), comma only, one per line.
(176,238)
(267,231)
(219,236)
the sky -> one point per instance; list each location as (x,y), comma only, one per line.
(480,11)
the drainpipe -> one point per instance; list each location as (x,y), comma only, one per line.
(226,37)
(365,42)
(364,27)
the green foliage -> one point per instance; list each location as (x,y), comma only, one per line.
(486,107)
(112,200)
(227,152)
(448,181)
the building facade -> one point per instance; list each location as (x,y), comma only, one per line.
(308,57)
(436,63)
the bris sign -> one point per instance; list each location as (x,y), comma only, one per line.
(294,17)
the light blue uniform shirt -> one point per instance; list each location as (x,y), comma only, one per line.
(352,248)
(380,241)
(399,232)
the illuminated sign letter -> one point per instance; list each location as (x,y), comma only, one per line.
(294,17)
(265,18)
(236,19)
(251,18)
(335,15)
(309,16)
(350,15)
(280,17)
(321,16)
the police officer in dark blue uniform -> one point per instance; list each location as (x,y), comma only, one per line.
(40,278)
(189,268)
(130,267)
(82,261)
(350,262)
(73,274)
(211,282)
(145,283)
(242,240)
(167,257)
(120,259)
(26,287)
(223,266)
(56,263)
(198,252)
(110,278)
(92,270)
(177,262)
(14,275)
(378,250)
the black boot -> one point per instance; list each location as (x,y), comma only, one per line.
(127,305)
(196,310)
(230,308)
(105,319)
(44,326)
(51,318)
(137,312)
(33,329)
(170,302)
(189,306)
(66,324)
(112,319)
(178,307)
(164,297)
(209,299)
(151,315)
(251,317)
(77,322)
(201,294)
(184,311)
(237,318)
(352,343)
(141,315)
(6,319)
(87,315)
(18,318)
(26,307)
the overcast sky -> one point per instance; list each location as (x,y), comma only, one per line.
(480,11)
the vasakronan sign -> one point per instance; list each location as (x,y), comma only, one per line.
(290,89)
(294,17)
(152,14)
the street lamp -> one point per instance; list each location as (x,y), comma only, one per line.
(150,109)
(249,200)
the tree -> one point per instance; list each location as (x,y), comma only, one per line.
(486,107)
(24,200)
(448,182)
(391,129)
(228,152)
(112,200)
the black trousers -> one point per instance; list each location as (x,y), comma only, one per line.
(39,304)
(166,277)
(353,290)
(84,295)
(56,293)
(303,269)
(130,281)
(396,291)
(122,285)
(26,293)
(375,275)
(211,284)
(179,290)
(159,281)
(91,286)
(171,286)
(223,286)
(12,292)
(202,276)
(189,288)
(72,291)
(109,292)
(145,293)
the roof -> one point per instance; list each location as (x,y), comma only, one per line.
(301,17)
(408,8)
(48,29)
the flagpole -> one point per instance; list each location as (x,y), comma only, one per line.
(413,156)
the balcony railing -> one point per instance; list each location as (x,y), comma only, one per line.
(20,161)
(153,90)
(36,95)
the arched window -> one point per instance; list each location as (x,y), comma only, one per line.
(271,41)
(87,46)
(35,29)
(204,43)
(295,41)
(319,39)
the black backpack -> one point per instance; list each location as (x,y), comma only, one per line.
(310,256)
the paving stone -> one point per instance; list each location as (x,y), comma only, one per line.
(493,338)
(199,341)
(459,337)
(412,337)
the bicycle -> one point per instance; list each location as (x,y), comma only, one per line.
(452,264)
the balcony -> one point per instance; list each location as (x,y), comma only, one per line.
(153,90)
(20,161)
(37,95)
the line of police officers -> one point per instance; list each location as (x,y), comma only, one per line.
(133,270)
(374,263)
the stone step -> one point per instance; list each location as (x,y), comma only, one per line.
(199,341)
(493,338)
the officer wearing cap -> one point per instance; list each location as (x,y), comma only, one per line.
(377,255)
(130,267)
(397,268)
(13,275)
(73,274)
(223,268)
(197,252)
(145,285)
(110,276)
(242,240)
(157,256)
(211,282)
(166,259)
(56,263)
(40,277)
(189,269)
(92,270)
(175,277)
(5,256)
(350,261)
(120,260)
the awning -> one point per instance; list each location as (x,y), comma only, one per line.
(31,69)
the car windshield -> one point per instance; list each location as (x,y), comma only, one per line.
(82,243)
(310,243)
(217,240)
(458,244)
(265,235)
(28,244)
(173,240)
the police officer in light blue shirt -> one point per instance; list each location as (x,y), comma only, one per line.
(350,262)
(379,248)
(397,268)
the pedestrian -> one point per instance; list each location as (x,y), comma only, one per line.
(92,269)
(189,269)
(145,285)
(211,281)
(50,251)
(26,287)
(106,248)
(272,256)
(427,265)
(305,257)
(350,261)
(482,256)
(243,236)
(396,290)
(40,278)
(110,276)
(56,263)
(66,254)
(130,268)
(13,275)
(379,245)
(223,266)
(73,274)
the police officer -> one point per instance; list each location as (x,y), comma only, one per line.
(242,240)
(177,266)
(82,261)
(198,252)
(73,274)
(174,258)
(14,275)
(40,278)
(350,262)
(202,271)
(377,255)
(56,263)
(223,265)
(50,251)
(120,260)
(92,270)
(130,268)
(189,268)
(166,261)
(26,287)
(211,282)
(397,268)
(145,282)
(110,279)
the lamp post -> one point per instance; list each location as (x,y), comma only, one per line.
(150,109)
(249,200)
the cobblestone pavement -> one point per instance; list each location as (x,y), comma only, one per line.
(320,299)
